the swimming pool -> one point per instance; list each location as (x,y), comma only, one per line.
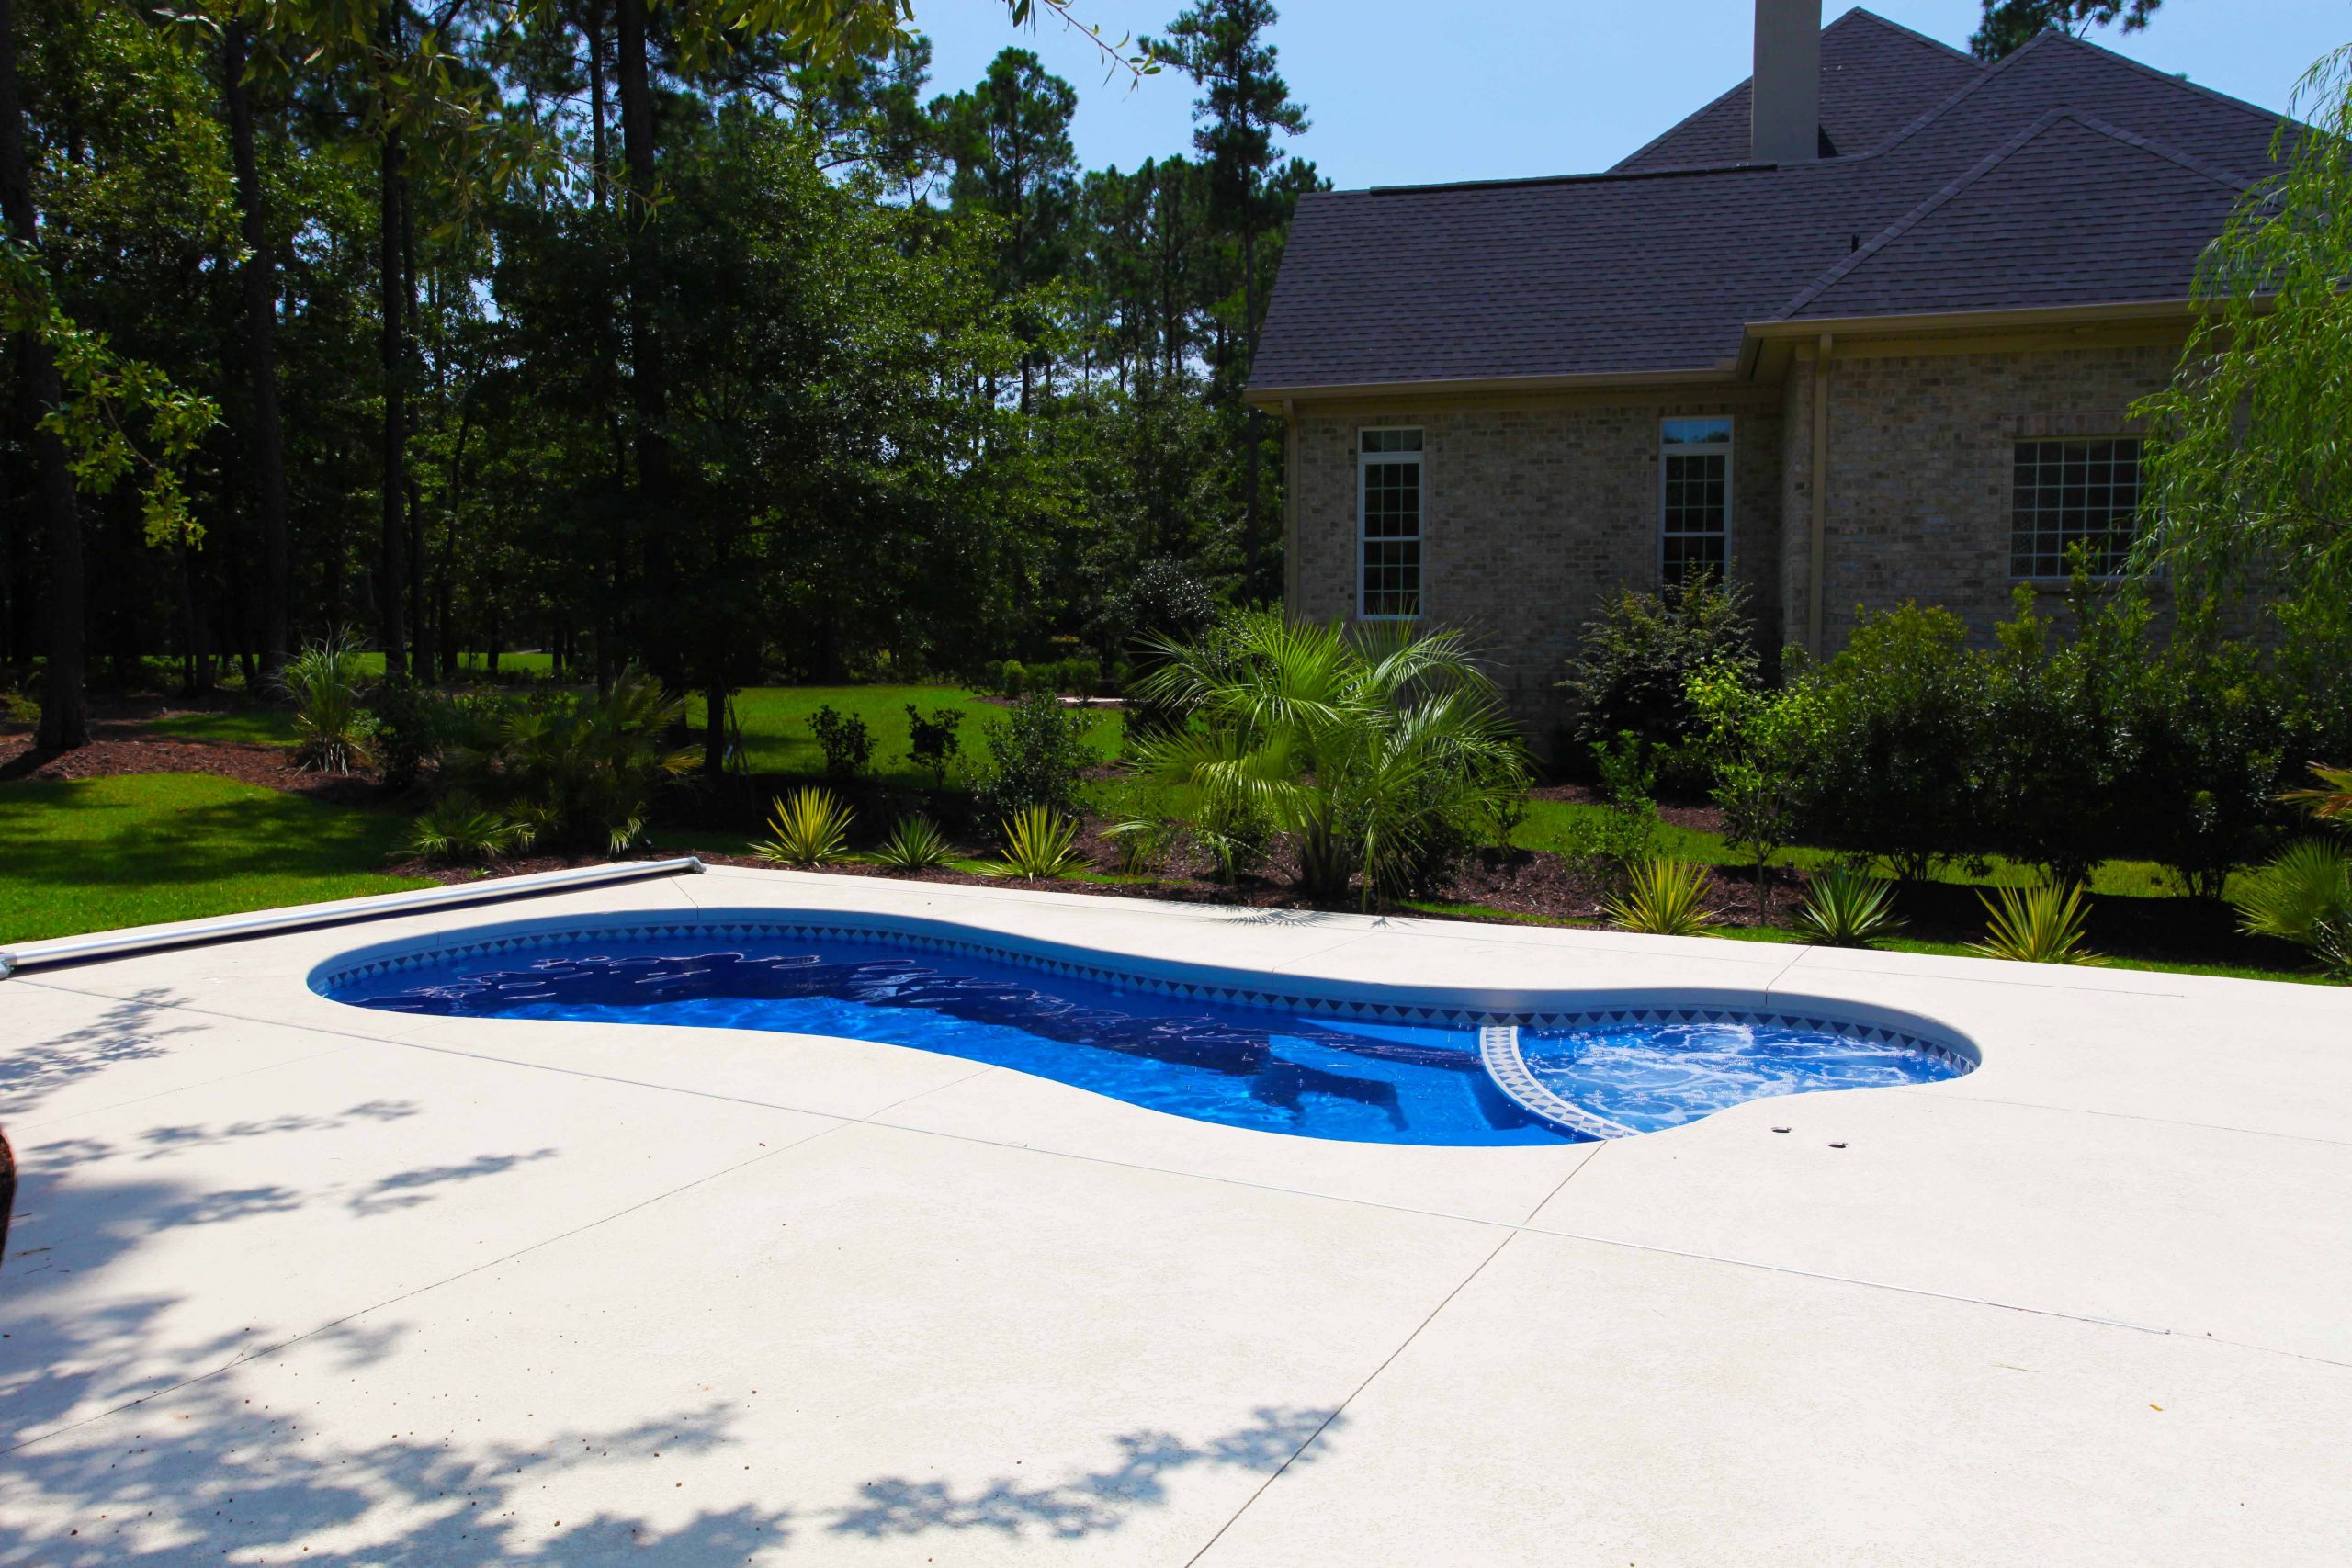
(1216,1047)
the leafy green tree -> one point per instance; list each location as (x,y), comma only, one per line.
(2010,25)
(1009,139)
(1244,104)
(2249,474)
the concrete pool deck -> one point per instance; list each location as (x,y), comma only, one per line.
(296,1280)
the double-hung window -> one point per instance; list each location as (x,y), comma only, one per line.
(1694,498)
(1389,519)
(2073,492)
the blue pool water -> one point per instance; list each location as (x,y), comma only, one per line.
(1242,1066)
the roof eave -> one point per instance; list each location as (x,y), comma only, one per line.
(1274,396)
(2095,312)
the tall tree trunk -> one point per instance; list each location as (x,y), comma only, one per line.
(391,567)
(1252,429)
(260,281)
(420,589)
(649,377)
(592,24)
(64,712)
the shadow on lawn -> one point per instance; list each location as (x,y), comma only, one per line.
(135,844)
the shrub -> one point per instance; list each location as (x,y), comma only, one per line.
(582,769)
(914,844)
(407,729)
(1624,770)
(1663,898)
(458,829)
(1847,909)
(17,709)
(1012,678)
(1163,602)
(2304,896)
(810,828)
(932,740)
(1602,847)
(847,743)
(1038,843)
(1898,728)
(2042,924)
(1633,662)
(1035,755)
(324,681)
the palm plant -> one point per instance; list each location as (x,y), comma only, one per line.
(2041,924)
(1378,751)
(460,831)
(1039,843)
(1847,909)
(584,769)
(325,680)
(810,828)
(915,844)
(1663,898)
(2331,798)
(2304,896)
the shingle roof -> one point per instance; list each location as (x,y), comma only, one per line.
(1993,199)
(1876,78)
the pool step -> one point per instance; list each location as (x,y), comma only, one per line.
(1499,1052)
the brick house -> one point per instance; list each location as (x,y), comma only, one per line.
(1934,284)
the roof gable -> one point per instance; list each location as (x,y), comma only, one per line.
(1876,78)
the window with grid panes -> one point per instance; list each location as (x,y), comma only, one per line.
(1694,498)
(2074,491)
(1388,514)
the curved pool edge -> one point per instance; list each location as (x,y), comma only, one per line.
(1466,1008)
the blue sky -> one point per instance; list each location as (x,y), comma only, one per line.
(1403,92)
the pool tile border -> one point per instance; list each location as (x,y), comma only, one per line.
(336,976)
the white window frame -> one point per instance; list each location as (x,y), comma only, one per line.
(2140,463)
(1729,447)
(1421,484)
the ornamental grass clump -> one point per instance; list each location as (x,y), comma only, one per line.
(1039,843)
(810,827)
(324,681)
(914,844)
(1663,898)
(1847,909)
(2041,924)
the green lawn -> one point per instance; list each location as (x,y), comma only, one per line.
(268,727)
(778,739)
(92,854)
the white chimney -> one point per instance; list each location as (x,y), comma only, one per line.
(1785,111)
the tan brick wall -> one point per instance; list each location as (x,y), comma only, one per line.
(1532,513)
(1534,510)
(1921,454)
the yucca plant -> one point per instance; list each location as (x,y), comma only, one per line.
(810,828)
(460,831)
(2304,896)
(1847,909)
(1663,898)
(325,680)
(2041,924)
(915,844)
(1039,843)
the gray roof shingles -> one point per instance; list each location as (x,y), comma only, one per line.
(1662,271)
